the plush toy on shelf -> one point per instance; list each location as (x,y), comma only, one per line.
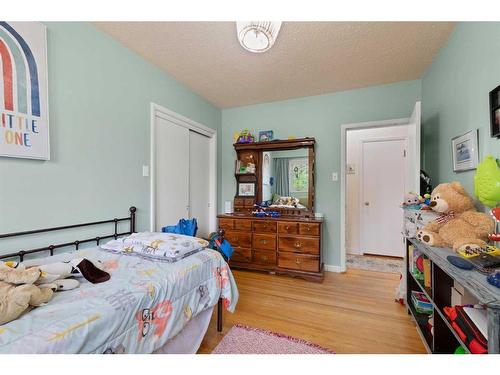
(459,225)
(411,201)
(487,182)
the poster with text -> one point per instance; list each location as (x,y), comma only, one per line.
(24,118)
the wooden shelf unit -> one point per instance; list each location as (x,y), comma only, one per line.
(443,274)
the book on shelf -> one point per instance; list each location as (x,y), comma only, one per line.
(427,272)
(421,303)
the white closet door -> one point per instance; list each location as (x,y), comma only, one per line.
(172,173)
(199,181)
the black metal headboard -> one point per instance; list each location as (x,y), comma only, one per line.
(21,254)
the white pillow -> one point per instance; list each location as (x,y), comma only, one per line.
(167,247)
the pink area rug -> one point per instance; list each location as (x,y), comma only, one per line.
(247,340)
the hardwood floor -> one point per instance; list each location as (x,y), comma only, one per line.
(353,312)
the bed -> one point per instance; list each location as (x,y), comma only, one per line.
(146,306)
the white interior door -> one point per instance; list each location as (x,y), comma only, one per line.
(199,175)
(382,190)
(171,173)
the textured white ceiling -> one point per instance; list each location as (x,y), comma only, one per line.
(309,58)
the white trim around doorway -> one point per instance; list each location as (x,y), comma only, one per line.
(343,156)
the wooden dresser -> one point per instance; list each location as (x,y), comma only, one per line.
(285,245)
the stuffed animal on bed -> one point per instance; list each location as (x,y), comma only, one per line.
(22,287)
(459,226)
(18,291)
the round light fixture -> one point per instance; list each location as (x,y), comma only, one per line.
(257,36)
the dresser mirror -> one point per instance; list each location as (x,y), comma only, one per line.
(285,179)
(283,173)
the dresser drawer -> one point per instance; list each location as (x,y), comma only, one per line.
(264,241)
(249,202)
(239,239)
(239,202)
(240,224)
(242,255)
(226,224)
(244,202)
(264,257)
(310,229)
(288,228)
(264,226)
(304,245)
(298,262)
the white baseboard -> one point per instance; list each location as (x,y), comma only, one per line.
(332,268)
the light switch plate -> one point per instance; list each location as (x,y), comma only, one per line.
(335,176)
(145,171)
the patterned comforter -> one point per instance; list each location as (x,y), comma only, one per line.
(138,310)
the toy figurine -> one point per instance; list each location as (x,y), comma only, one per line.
(260,211)
(245,137)
(425,202)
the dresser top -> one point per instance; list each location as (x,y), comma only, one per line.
(281,218)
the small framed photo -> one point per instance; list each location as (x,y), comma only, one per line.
(246,189)
(266,136)
(465,151)
(495,112)
(495,125)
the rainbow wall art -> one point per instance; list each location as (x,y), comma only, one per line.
(24,118)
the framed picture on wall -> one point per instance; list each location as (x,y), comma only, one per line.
(465,151)
(24,108)
(495,112)
(246,189)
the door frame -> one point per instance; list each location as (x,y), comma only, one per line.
(343,157)
(169,115)
(361,192)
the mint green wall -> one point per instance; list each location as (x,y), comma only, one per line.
(455,97)
(99,97)
(319,117)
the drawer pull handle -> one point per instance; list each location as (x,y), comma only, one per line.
(264,257)
(263,242)
(287,227)
(297,244)
(297,261)
(308,228)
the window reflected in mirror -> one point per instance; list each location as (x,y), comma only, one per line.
(285,178)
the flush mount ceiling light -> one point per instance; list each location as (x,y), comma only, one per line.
(257,36)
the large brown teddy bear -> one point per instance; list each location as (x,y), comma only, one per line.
(18,292)
(460,226)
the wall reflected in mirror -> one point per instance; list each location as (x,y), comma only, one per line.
(285,178)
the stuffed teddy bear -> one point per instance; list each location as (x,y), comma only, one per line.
(18,292)
(459,226)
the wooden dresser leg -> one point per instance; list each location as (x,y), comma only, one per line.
(219,315)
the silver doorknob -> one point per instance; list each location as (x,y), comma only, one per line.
(367,203)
